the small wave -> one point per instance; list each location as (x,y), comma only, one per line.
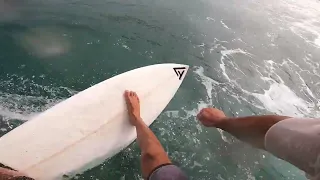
(210,19)
(224,25)
(22,107)
(300,17)
(230,52)
(304,28)
(276,96)
(6,114)
(280,99)
(24,98)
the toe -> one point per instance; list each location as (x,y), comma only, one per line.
(136,96)
(126,93)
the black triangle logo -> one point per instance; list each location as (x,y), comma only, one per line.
(179,71)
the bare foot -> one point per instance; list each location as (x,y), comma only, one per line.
(133,106)
(211,117)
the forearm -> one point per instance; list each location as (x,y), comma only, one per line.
(250,129)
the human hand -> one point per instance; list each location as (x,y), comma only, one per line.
(211,117)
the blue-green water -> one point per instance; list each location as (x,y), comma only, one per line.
(246,57)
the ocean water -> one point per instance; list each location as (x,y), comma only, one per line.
(246,57)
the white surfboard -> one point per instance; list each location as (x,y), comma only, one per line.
(82,131)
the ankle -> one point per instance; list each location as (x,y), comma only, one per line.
(135,117)
(136,120)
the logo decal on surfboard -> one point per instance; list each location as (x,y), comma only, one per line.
(179,71)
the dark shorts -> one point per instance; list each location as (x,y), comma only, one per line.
(167,172)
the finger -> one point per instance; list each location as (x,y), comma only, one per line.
(131,93)
(200,112)
(199,116)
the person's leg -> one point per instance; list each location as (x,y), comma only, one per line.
(152,153)
(251,129)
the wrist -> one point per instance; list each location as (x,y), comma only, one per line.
(222,123)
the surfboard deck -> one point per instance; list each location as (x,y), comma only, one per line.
(89,127)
